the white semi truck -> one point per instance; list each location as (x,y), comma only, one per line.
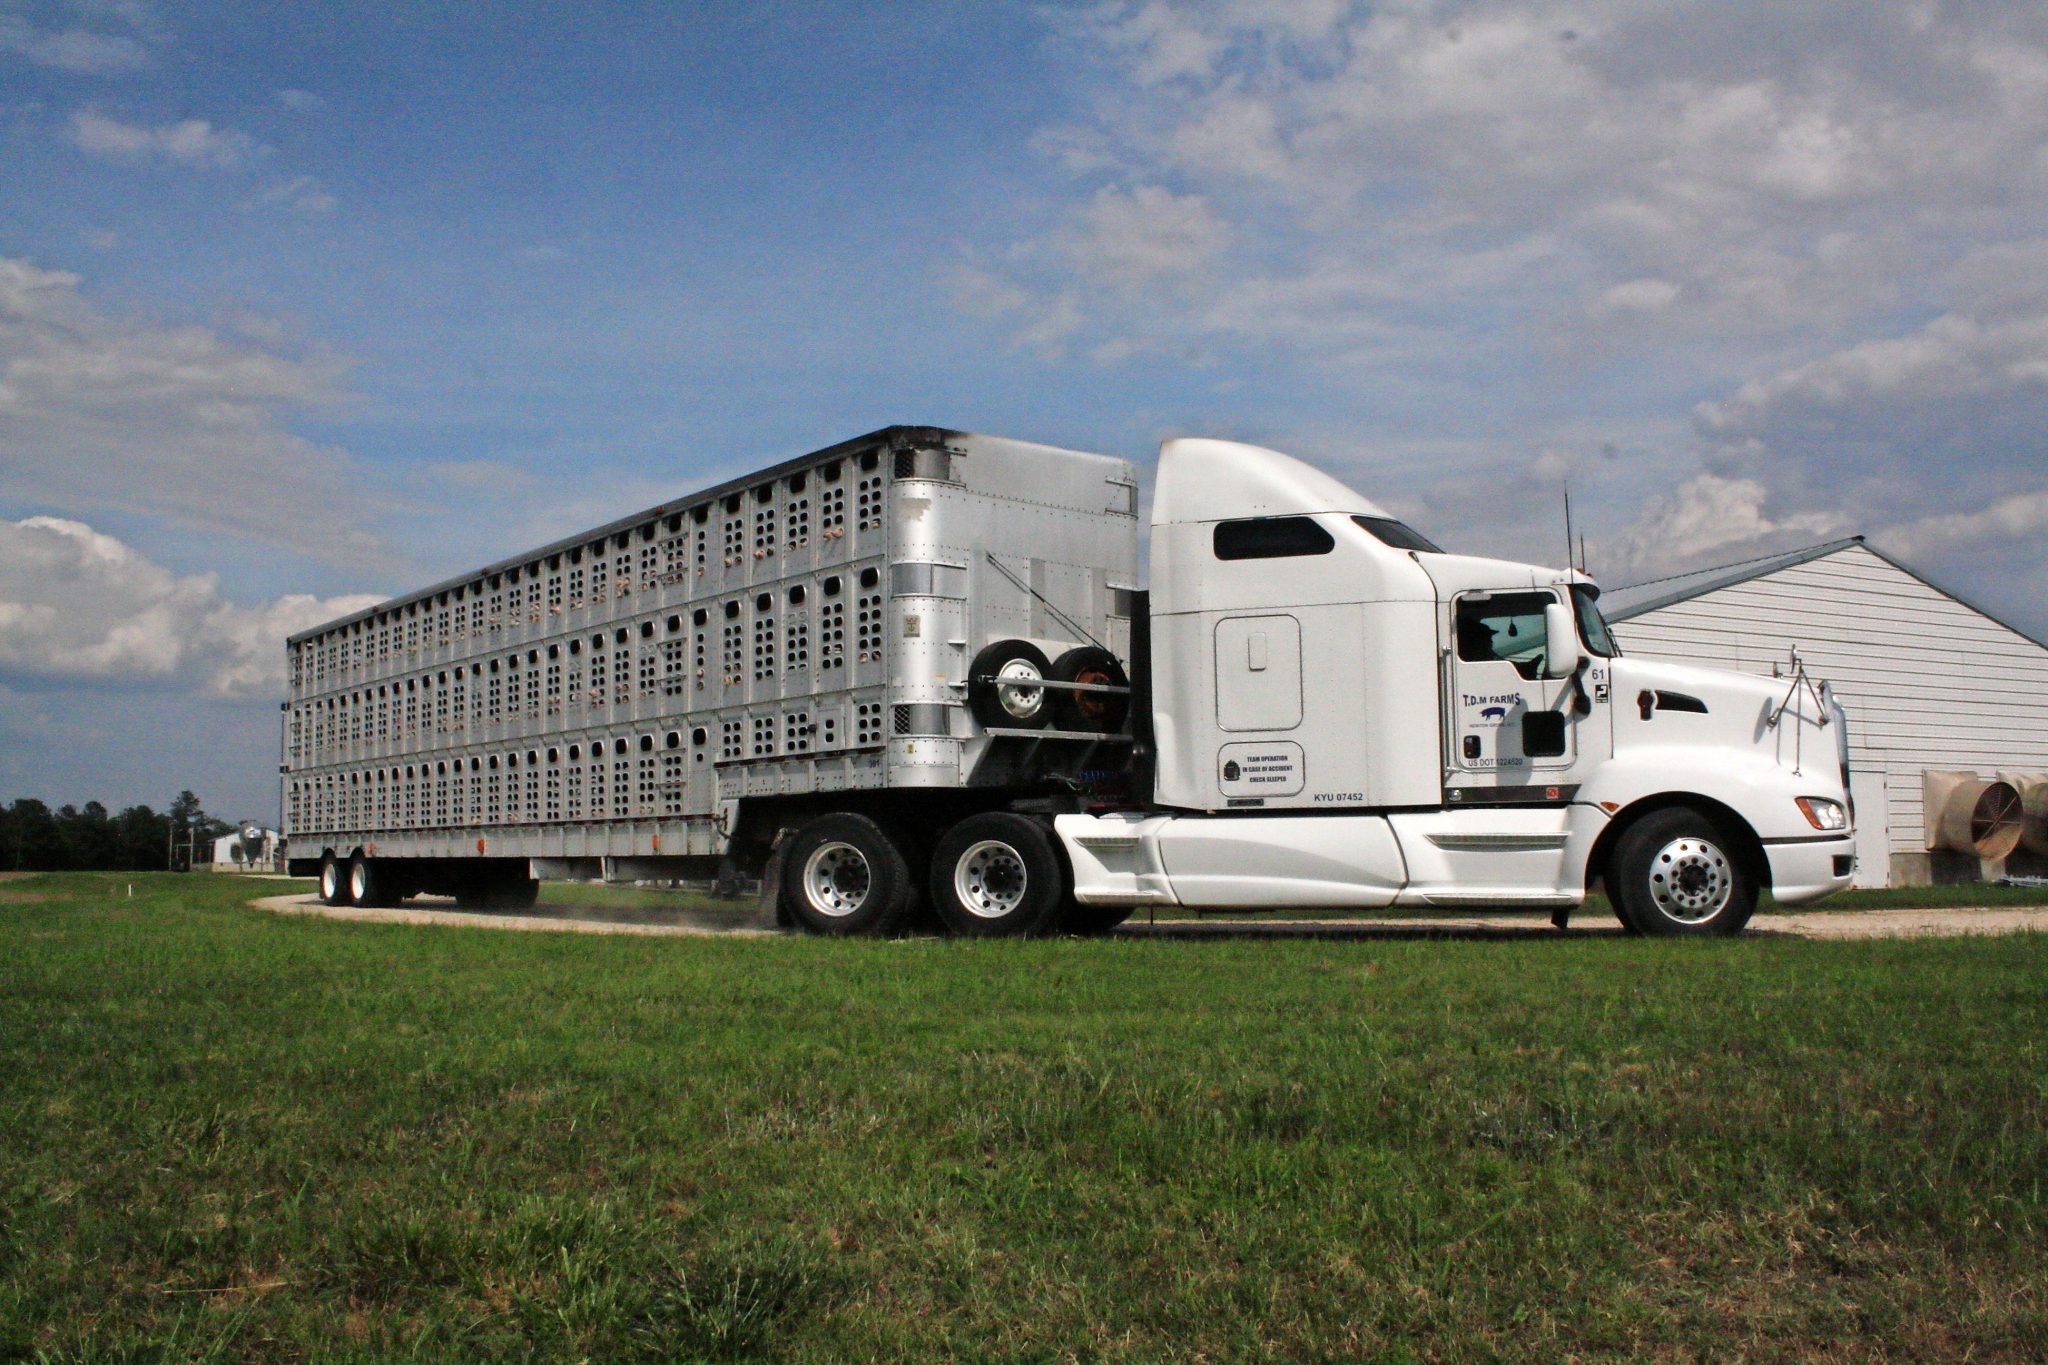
(919,667)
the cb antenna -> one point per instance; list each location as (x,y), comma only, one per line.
(1568,523)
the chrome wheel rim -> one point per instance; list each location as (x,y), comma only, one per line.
(837,879)
(1017,690)
(1691,880)
(989,880)
(330,881)
(358,882)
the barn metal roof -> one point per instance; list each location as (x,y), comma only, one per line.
(1638,599)
(1619,604)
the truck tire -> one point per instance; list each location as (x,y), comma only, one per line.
(1087,921)
(845,875)
(999,686)
(333,880)
(997,875)
(1676,874)
(369,883)
(1102,712)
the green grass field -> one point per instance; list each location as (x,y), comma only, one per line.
(597,900)
(228,1135)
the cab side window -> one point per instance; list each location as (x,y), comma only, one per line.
(1507,627)
(1271,538)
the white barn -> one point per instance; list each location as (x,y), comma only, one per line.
(1929,681)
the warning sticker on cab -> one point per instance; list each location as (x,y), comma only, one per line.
(1271,769)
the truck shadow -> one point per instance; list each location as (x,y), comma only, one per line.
(747,916)
(1519,926)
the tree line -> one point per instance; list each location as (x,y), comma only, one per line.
(34,838)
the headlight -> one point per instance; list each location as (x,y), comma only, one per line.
(1822,813)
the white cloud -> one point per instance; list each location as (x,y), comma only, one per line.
(1133,237)
(1951,357)
(1698,171)
(1522,226)
(1639,296)
(186,423)
(114,38)
(2021,517)
(301,101)
(188,142)
(302,195)
(77,604)
(75,50)
(1937,421)
(1709,520)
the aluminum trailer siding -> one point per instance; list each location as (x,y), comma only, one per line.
(663,691)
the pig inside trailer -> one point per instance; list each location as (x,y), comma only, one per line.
(919,664)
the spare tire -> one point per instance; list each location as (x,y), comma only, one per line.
(1002,689)
(1103,712)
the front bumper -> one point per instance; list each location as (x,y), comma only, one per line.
(1806,870)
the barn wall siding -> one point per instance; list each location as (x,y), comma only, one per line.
(1927,681)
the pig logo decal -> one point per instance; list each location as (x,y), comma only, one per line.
(1494,713)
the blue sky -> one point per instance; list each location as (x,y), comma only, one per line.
(302,304)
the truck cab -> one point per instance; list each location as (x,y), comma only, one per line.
(1343,715)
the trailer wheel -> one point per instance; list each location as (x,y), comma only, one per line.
(1002,686)
(1677,874)
(997,875)
(333,880)
(369,883)
(845,875)
(1099,711)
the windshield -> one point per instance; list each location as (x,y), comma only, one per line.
(1592,625)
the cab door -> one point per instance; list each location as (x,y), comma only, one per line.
(1505,717)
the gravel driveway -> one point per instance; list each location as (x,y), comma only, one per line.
(743,920)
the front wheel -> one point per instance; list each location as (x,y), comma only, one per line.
(1677,874)
(997,875)
(845,875)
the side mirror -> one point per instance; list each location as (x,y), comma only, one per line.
(1560,641)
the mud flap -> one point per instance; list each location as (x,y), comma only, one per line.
(772,915)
